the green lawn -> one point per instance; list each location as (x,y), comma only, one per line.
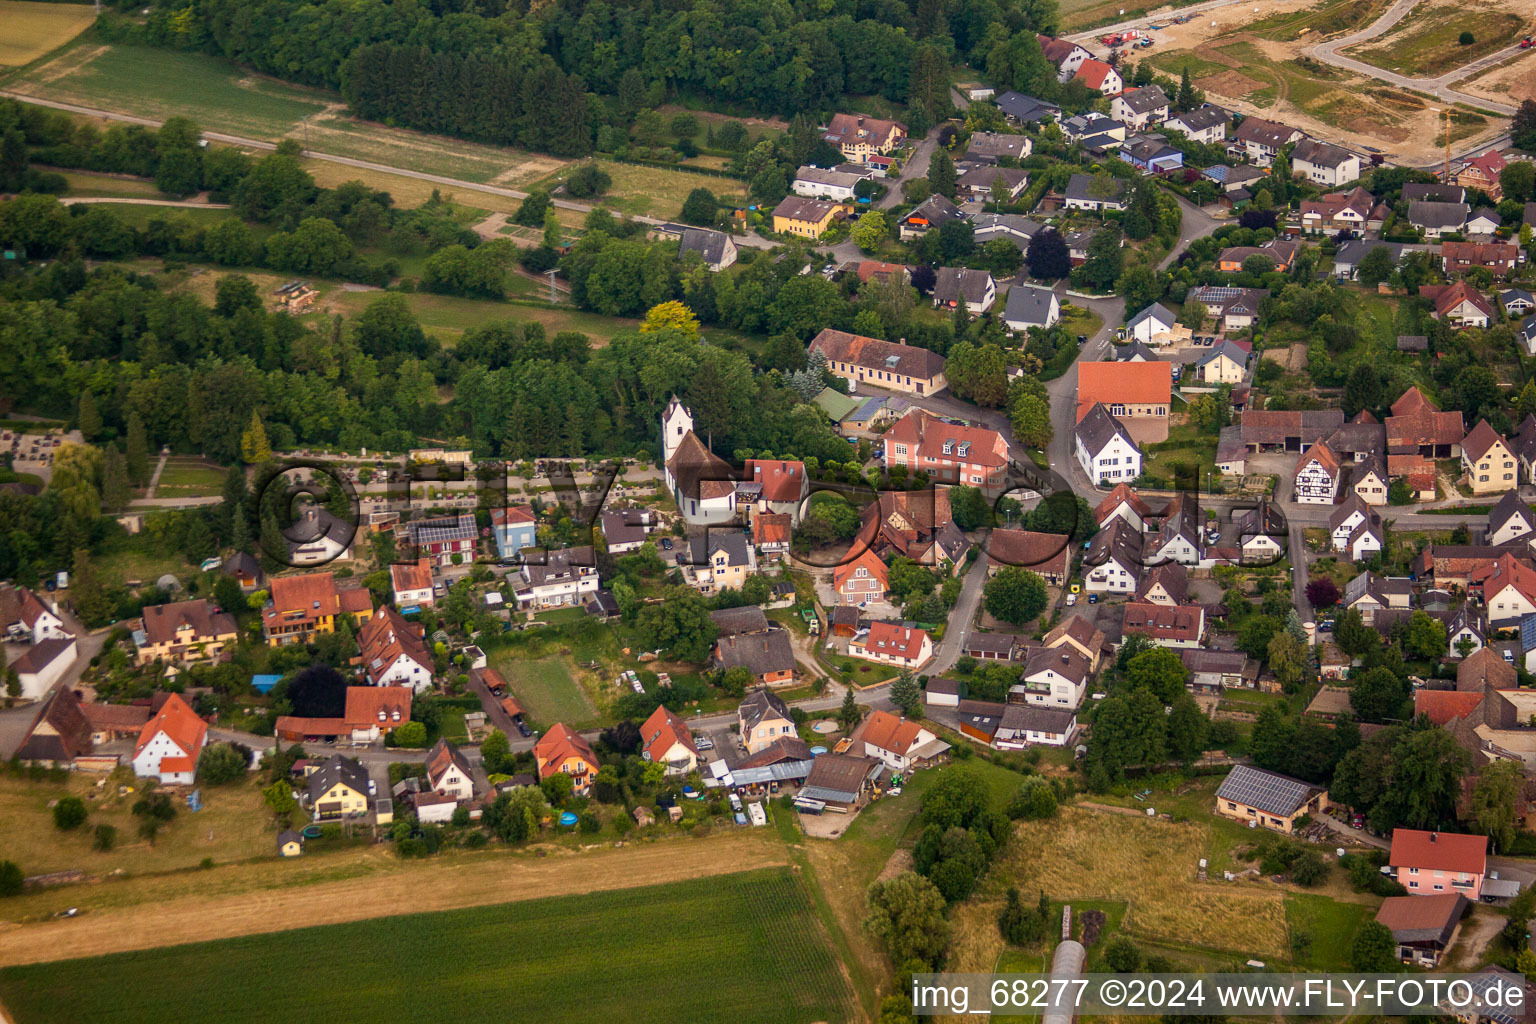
(739,948)
(190,477)
(1427,43)
(84,183)
(448,316)
(547,689)
(1329,927)
(161,83)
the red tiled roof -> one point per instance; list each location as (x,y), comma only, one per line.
(385,638)
(407,576)
(1161,622)
(887,732)
(843,571)
(1123,384)
(1481,438)
(512,514)
(177,764)
(662,731)
(366,703)
(1121,493)
(1443,706)
(1323,454)
(558,745)
(782,479)
(1440,851)
(770,528)
(1093,72)
(178,721)
(891,638)
(1505,571)
(927,435)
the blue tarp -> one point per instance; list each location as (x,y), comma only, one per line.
(264,684)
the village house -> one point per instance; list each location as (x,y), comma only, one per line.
(514,529)
(170,743)
(1095,192)
(1274,801)
(245,570)
(1487,462)
(1140,108)
(715,248)
(1316,476)
(1053,677)
(891,643)
(1021,109)
(1277,252)
(1435,219)
(772,534)
(448,772)
(1028,725)
(1029,307)
(394,652)
(1226,363)
(1016,229)
(1047,555)
(411,584)
(1233,309)
(1099,76)
(1156,325)
(1104,447)
(555,579)
(860,580)
(1135,394)
(1065,54)
(1416,426)
(1482,173)
(1206,123)
(1498,257)
(720,559)
(1166,584)
(990,147)
(913,524)
(1348,520)
(446,540)
(1113,561)
(624,530)
(1428,863)
(897,743)
(860,137)
(762,718)
(1369,593)
(59,733)
(337,789)
(1370,480)
(947,453)
(1123,503)
(1517,302)
(1510,519)
(184,631)
(369,713)
(1261,532)
(1082,636)
(1165,626)
(933,212)
(27,618)
(665,739)
(1469,628)
(1423,927)
(42,664)
(1355,212)
(987,182)
(1323,163)
(769,656)
(804,218)
(882,364)
(300,607)
(815,183)
(563,750)
(956,285)
(1212,671)
(1177,538)
(778,486)
(1508,589)
(1261,141)
(1288,430)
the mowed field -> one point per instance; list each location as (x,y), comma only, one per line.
(548,690)
(1427,43)
(33,29)
(633,955)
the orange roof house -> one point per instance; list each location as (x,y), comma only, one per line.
(1430,863)
(900,743)
(1099,76)
(562,749)
(300,606)
(1136,394)
(666,739)
(170,742)
(1444,706)
(860,579)
(771,531)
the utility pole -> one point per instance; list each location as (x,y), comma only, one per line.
(1446,174)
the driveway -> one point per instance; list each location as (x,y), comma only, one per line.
(961,619)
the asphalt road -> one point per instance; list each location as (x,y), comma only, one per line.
(1328,53)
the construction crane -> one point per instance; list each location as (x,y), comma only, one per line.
(1446,173)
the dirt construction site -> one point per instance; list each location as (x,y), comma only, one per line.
(1253,58)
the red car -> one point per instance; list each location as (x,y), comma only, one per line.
(1357,821)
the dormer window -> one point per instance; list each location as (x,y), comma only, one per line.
(381,715)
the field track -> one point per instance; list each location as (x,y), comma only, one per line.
(409,887)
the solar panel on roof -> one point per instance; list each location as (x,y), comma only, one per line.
(1265,791)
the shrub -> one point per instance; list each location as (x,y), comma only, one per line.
(1122,955)
(10,878)
(68,813)
(411,734)
(588,822)
(106,838)
(1309,869)
(1466,39)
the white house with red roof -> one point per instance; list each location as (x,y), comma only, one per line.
(898,743)
(393,652)
(777,486)
(1099,76)
(1430,863)
(1482,172)
(893,644)
(25,616)
(665,739)
(412,583)
(1126,504)
(1508,587)
(947,452)
(170,743)
(1317,476)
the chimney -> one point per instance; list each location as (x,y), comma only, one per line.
(1433,836)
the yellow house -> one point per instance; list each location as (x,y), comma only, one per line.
(338,789)
(1269,799)
(299,607)
(806,218)
(721,560)
(1223,365)
(183,631)
(762,719)
(859,137)
(1487,462)
(289,843)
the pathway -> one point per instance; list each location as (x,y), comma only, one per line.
(1328,53)
(962,619)
(192,204)
(154,481)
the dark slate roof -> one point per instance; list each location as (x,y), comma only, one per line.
(1098,428)
(338,769)
(1320,154)
(935,210)
(708,244)
(1077,188)
(1148,97)
(1026,108)
(955,283)
(1205,116)
(1120,541)
(748,618)
(1027,304)
(759,705)
(1434,192)
(732,542)
(760,653)
(1425,214)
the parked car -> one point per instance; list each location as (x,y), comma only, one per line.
(1071,600)
(1357,820)
(1093,598)
(522,727)
(666,543)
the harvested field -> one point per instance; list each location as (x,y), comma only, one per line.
(33,29)
(273,896)
(1426,44)
(594,957)
(1511,82)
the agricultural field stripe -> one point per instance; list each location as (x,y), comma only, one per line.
(449,883)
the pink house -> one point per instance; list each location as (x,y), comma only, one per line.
(1430,863)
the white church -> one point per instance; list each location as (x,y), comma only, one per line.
(702,483)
